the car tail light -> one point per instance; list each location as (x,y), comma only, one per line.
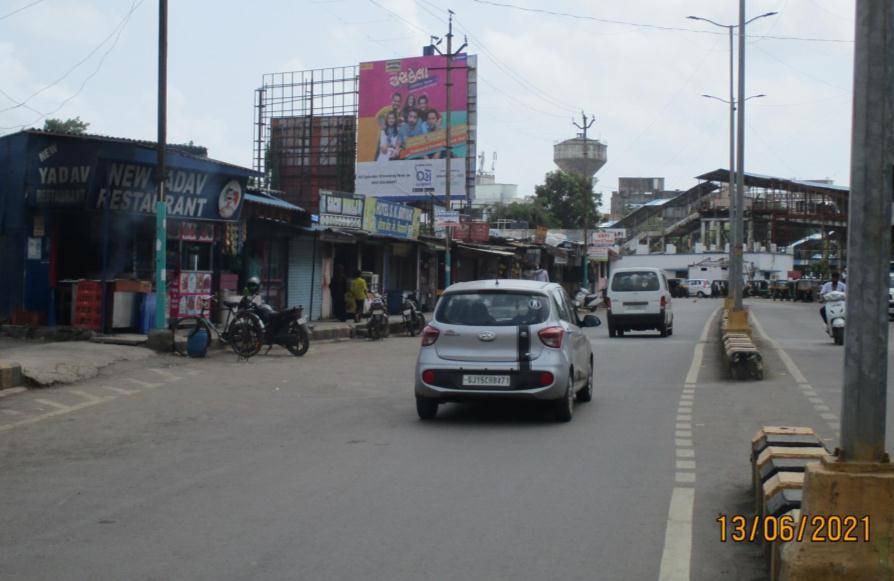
(663,301)
(546,378)
(608,303)
(552,337)
(429,335)
(428,376)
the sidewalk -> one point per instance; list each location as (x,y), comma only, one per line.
(44,364)
(333,330)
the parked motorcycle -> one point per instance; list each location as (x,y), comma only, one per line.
(414,320)
(835,307)
(288,328)
(377,324)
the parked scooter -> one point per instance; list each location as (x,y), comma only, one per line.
(414,320)
(835,307)
(377,324)
(288,328)
(584,300)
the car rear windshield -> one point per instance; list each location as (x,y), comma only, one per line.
(635,281)
(492,309)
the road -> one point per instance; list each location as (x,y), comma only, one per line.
(318,468)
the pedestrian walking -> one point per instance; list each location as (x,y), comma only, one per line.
(359,290)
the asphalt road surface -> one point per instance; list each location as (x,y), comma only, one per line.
(318,468)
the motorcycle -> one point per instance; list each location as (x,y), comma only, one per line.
(835,307)
(377,324)
(414,321)
(287,328)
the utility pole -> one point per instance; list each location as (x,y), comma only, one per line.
(449,148)
(584,127)
(161,206)
(869,235)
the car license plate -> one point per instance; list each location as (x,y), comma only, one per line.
(378,312)
(302,321)
(407,312)
(487,380)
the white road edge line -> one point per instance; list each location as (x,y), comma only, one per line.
(675,560)
(793,369)
(677,554)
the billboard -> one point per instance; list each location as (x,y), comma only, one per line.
(341,210)
(401,137)
(391,219)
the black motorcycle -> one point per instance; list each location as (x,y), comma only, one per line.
(414,320)
(377,325)
(288,328)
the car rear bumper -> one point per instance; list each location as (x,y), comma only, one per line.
(448,384)
(636,320)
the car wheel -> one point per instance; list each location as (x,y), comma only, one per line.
(611,330)
(619,332)
(663,330)
(426,407)
(700,294)
(565,404)
(586,392)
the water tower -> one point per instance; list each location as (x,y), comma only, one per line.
(581,155)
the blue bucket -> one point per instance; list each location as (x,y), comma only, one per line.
(197,344)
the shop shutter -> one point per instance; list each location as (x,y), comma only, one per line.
(302,276)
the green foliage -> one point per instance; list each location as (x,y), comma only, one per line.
(72,125)
(569,199)
(532,212)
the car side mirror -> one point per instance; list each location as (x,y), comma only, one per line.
(591,321)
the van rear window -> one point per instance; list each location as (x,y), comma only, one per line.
(493,309)
(635,281)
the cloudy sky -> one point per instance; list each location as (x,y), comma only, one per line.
(96,59)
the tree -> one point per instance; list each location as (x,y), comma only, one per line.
(569,199)
(72,125)
(532,212)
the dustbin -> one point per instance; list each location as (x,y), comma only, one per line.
(147,313)
(395,299)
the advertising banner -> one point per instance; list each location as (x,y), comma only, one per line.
(401,138)
(341,210)
(391,219)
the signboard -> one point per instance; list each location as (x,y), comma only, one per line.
(444,218)
(341,210)
(471,232)
(598,253)
(401,137)
(602,238)
(391,219)
(124,186)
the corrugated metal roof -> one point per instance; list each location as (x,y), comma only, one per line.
(273,202)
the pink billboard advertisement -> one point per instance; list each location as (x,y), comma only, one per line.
(401,141)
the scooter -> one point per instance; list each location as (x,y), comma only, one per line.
(414,321)
(586,301)
(836,315)
(377,325)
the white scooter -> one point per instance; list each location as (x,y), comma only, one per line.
(836,315)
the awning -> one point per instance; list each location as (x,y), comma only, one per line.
(272,202)
(482,250)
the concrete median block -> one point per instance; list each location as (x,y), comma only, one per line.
(784,500)
(10,375)
(777,546)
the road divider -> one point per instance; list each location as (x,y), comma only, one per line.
(741,357)
(779,459)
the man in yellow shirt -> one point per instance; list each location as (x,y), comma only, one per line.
(359,290)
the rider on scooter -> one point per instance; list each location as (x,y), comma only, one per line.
(833,285)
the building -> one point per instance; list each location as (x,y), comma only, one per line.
(635,192)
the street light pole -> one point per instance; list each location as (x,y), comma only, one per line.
(869,235)
(161,206)
(735,270)
(737,200)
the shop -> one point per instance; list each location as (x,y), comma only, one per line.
(77,221)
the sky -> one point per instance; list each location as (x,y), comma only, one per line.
(97,59)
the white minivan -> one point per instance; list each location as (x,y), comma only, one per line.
(639,300)
(698,287)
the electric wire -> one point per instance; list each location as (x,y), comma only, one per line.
(646,26)
(17,10)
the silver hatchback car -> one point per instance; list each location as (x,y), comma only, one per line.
(513,339)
